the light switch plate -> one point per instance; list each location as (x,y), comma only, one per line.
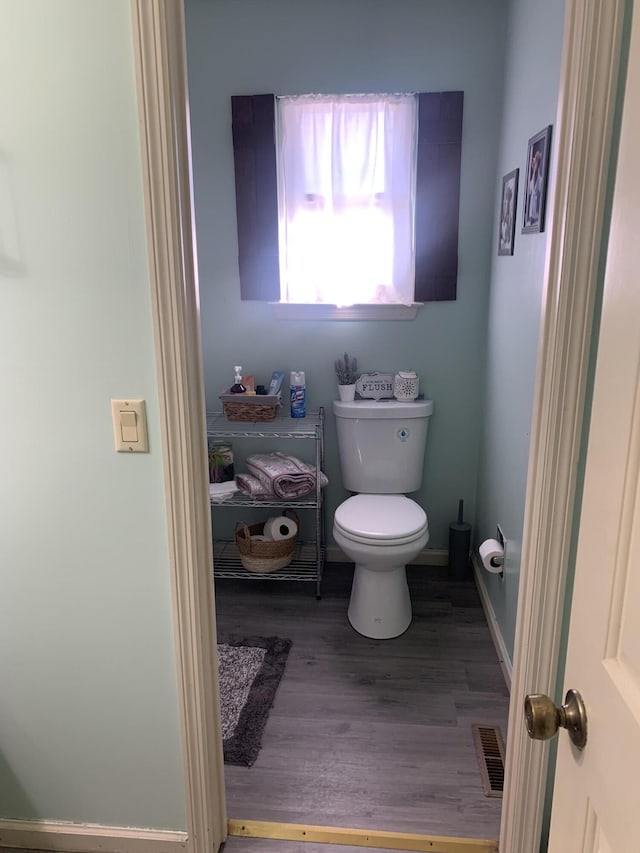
(130,438)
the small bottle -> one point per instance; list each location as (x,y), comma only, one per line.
(298,394)
(238,387)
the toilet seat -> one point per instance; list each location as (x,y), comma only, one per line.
(381,520)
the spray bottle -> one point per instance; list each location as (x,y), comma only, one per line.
(298,394)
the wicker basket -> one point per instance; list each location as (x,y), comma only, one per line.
(250,408)
(268,555)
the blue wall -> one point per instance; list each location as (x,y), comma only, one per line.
(532,77)
(289,47)
(89,722)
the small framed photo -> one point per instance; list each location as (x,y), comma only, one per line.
(508,206)
(535,187)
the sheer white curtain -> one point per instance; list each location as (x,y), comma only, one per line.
(346,195)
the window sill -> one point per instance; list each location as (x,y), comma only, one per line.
(299,311)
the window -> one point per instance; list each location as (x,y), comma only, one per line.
(434,230)
(346,196)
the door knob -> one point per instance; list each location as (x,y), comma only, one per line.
(544,718)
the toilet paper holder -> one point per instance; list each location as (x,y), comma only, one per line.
(497,562)
(503,542)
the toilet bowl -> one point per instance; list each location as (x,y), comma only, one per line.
(381,534)
(381,446)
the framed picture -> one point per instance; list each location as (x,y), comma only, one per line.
(508,206)
(535,187)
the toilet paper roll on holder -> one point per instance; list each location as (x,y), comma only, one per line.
(492,552)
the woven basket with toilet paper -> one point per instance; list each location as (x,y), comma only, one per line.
(270,545)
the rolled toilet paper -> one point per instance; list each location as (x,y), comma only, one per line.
(280,527)
(492,555)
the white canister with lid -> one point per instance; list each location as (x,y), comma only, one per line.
(406,385)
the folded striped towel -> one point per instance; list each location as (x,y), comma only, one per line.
(251,485)
(283,476)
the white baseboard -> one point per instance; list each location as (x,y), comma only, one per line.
(494,628)
(426,557)
(62,837)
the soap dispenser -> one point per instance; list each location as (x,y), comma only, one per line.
(237,387)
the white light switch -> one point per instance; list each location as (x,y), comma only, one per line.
(130,426)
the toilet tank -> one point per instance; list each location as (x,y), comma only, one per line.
(381,444)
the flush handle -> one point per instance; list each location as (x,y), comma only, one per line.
(544,718)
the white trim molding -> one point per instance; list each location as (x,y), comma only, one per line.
(159,49)
(494,628)
(297,311)
(585,121)
(88,838)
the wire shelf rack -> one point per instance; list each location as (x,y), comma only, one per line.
(303,567)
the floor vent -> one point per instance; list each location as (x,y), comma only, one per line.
(490,751)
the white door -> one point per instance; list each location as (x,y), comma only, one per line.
(596,802)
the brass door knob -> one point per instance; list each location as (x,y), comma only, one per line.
(544,718)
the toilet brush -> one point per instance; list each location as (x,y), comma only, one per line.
(459,547)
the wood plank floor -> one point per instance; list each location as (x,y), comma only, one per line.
(366,733)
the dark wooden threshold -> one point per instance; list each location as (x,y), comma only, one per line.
(359,837)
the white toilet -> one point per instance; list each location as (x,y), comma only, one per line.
(381,447)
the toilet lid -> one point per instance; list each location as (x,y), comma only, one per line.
(381,517)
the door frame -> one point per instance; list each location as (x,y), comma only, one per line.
(160,63)
(592,55)
(576,248)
